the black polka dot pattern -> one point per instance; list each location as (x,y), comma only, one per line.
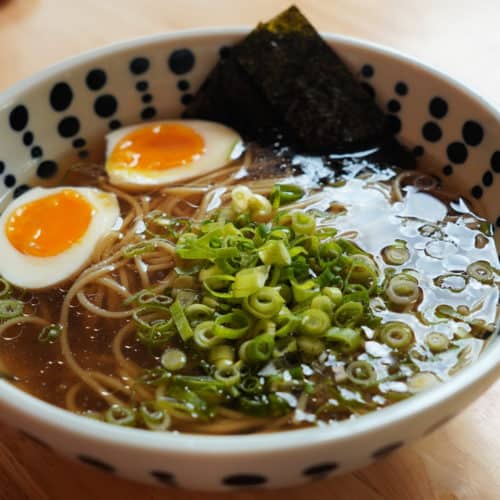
(21,189)
(36,152)
(477,192)
(183,85)
(9,180)
(386,450)
(320,470)
(487,179)
(394,106)
(393,124)
(418,151)
(79,143)
(96,79)
(18,118)
(473,133)
(139,65)
(495,162)
(142,86)
(47,169)
(146,98)
(95,462)
(181,61)
(114,124)
(367,71)
(447,170)
(28,138)
(148,113)
(438,107)
(69,126)
(61,96)
(166,478)
(105,105)
(401,88)
(2,167)
(244,480)
(457,152)
(431,132)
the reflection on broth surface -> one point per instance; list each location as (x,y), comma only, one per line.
(365,287)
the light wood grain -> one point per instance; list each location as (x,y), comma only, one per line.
(461,460)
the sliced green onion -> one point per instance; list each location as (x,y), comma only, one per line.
(251,385)
(310,346)
(120,415)
(363,271)
(303,223)
(204,336)
(197,313)
(228,375)
(173,359)
(10,308)
(348,314)
(284,346)
(396,254)
(437,341)
(240,197)
(154,417)
(221,356)
(314,322)
(396,334)
(361,373)
(182,324)
(260,208)
(402,289)
(304,291)
(50,333)
(265,303)
(453,282)
(348,339)
(481,271)
(248,281)
(323,303)
(275,252)
(137,249)
(259,349)
(232,325)
(282,194)
(334,294)
(215,283)
(4,288)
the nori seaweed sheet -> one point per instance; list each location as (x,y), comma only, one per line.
(284,77)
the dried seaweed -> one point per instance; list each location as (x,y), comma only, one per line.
(283,77)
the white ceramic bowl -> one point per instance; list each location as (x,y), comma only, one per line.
(63,113)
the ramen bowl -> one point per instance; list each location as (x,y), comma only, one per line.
(61,115)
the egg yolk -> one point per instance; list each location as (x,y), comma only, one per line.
(158,147)
(49,225)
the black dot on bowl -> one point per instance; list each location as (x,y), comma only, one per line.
(495,161)
(368,89)
(95,462)
(18,192)
(164,477)
(139,65)
(447,170)
(105,105)
(69,126)
(148,113)
(476,192)
(320,469)
(387,450)
(187,99)
(431,132)
(224,52)
(9,180)
(96,79)
(244,480)
(142,86)
(2,167)
(61,96)
(79,143)
(28,138)
(401,88)
(146,98)
(393,124)
(83,154)
(18,118)
(36,152)
(457,152)
(114,124)
(418,151)
(488,178)
(498,221)
(472,133)
(367,71)
(393,106)
(183,85)
(181,61)
(46,169)
(438,107)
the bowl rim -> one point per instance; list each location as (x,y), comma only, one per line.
(55,418)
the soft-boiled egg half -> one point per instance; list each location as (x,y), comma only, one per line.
(150,155)
(48,235)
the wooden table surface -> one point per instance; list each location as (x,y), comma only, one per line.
(461,460)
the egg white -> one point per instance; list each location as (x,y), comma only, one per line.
(31,272)
(222,144)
